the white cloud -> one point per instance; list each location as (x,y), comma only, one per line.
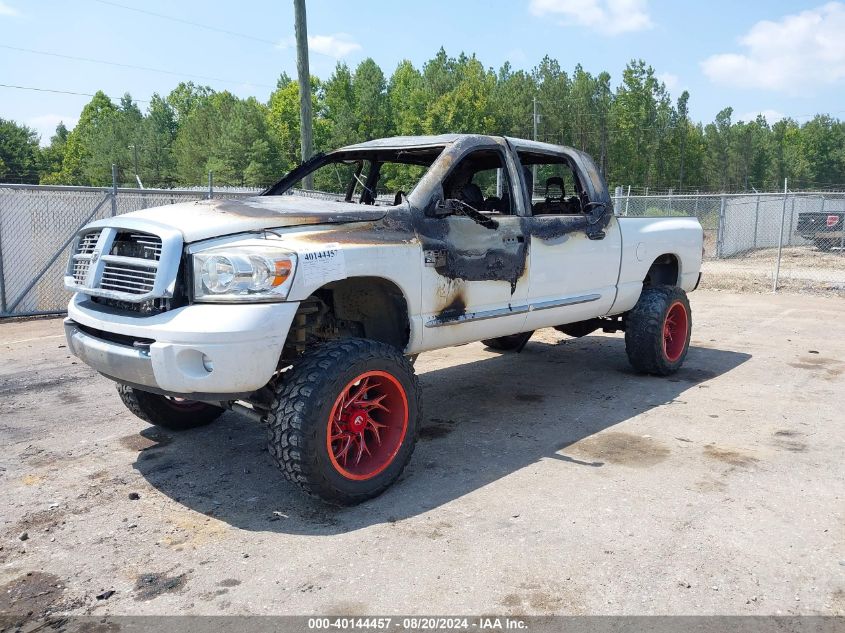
(336,45)
(7,10)
(45,125)
(610,17)
(771,116)
(671,81)
(799,52)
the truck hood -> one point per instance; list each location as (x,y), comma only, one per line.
(204,219)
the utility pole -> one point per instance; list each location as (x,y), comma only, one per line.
(534,168)
(304,85)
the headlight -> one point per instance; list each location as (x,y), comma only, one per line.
(243,273)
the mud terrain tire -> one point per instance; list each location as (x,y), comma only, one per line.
(657,330)
(169,413)
(338,397)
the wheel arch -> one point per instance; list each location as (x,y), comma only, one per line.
(665,270)
(377,303)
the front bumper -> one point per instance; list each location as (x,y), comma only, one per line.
(241,344)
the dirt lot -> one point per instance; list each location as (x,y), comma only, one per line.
(554,481)
(803,269)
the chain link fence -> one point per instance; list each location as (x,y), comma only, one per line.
(760,242)
(753,242)
(37,226)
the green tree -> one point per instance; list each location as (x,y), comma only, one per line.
(20,156)
(371,104)
(639,115)
(158,132)
(95,124)
(340,107)
(408,99)
(466,107)
(283,121)
(512,101)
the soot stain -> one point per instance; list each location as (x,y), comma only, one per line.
(146,439)
(30,595)
(150,586)
(436,429)
(729,456)
(623,448)
(230,582)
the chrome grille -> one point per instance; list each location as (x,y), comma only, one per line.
(123,264)
(136,245)
(129,278)
(80,270)
(88,243)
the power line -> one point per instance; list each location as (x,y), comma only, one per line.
(61,92)
(183,21)
(120,65)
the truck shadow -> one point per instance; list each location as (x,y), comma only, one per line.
(482,421)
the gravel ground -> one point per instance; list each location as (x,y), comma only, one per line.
(553,481)
(803,269)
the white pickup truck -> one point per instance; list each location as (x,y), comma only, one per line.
(305,307)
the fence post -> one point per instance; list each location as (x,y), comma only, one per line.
(756,219)
(627,200)
(780,239)
(2,276)
(791,223)
(210,185)
(720,227)
(113,190)
(841,230)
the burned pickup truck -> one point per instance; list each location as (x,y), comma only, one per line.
(304,307)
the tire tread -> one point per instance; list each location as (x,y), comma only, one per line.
(292,428)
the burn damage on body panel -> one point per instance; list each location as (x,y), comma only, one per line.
(294,211)
(456,308)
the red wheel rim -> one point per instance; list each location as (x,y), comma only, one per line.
(675,329)
(367,425)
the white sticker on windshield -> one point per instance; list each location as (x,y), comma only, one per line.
(322,264)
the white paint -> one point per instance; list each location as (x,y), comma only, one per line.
(322,263)
(243,341)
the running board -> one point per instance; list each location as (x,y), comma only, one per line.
(481,315)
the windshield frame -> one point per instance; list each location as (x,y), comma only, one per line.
(423,155)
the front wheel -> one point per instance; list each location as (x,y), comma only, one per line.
(657,330)
(344,421)
(174,414)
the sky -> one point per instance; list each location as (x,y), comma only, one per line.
(777,57)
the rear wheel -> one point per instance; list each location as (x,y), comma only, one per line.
(344,420)
(657,330)
(509,343)
(175,414)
